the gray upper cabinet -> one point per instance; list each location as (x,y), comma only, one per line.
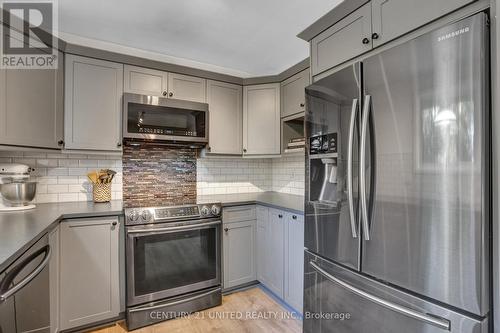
(294,260)
(261,119)
(31,107)
(145,81)
(343,41)
(225,118)
(89,271)
(93,95)
(393,18)
(186,87)
(293,98)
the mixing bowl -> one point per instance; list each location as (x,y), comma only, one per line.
(18,193)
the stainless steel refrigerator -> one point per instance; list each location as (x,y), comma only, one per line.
(397,220)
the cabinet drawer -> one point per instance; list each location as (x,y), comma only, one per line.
(238,214)
(344,40)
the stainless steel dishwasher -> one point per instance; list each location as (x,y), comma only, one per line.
(24,291)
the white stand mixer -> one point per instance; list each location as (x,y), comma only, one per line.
(13,173)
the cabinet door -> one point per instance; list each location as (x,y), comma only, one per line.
(31,106)
(276,248)
(239,253)
(225,111)
(263,267)
(345,40)
(393,18)
(294,260)
(145,81)
(54,242)
(188,88)
(89,278)
(293,96)
(261,119)
(93,94)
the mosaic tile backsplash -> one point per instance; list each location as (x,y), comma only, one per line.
(158,176)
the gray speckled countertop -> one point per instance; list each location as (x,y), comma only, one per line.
(290,202)
(20,230)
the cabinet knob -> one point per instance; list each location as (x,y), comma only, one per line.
(294,217)
(60,142)
(114,223)
(244,150)
(375,35)
(226,229)
(119,144)
(280,216)
(209,148)
(164,93)
(366,41)
(302,105)
(170,94)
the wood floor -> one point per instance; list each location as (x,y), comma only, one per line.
(259,313)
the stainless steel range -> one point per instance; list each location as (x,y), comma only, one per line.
(173,259)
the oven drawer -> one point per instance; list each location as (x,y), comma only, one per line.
(238,214)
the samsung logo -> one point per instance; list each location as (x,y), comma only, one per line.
(453,34)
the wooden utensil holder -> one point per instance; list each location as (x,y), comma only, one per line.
(102,192)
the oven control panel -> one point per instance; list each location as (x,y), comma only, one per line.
(145,215)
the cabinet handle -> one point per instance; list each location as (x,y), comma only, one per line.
(294,217)
(375,35)
(60,142)
(366,41)
(226,229)
(302,105)
(170,94)
(280,216)
(164,93)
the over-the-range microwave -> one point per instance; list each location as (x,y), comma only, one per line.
(155,118)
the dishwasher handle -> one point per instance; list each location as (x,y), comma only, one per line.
(5,292)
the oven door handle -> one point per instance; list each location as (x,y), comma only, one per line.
(176,228)
(185,300)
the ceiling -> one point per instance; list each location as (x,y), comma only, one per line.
(238,37)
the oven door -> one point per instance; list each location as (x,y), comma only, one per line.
(165,260)
(165,119)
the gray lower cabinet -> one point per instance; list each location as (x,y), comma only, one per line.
(294,261)
(54,242)
(276,255)
(344,40)
(394,18)
(89,271)
(93,104)
(226,118)
(31,106)
(263,241)
(239,253)
(293,96)
(238,241)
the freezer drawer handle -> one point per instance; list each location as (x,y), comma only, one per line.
(362,164)
(349,167)
(5,292)
(436,321)
(189,299)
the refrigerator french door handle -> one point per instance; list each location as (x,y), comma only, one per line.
(362,165)
(350,199)
(432,320)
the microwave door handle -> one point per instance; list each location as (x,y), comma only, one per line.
(5,292)
(362,165)
(349,167)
